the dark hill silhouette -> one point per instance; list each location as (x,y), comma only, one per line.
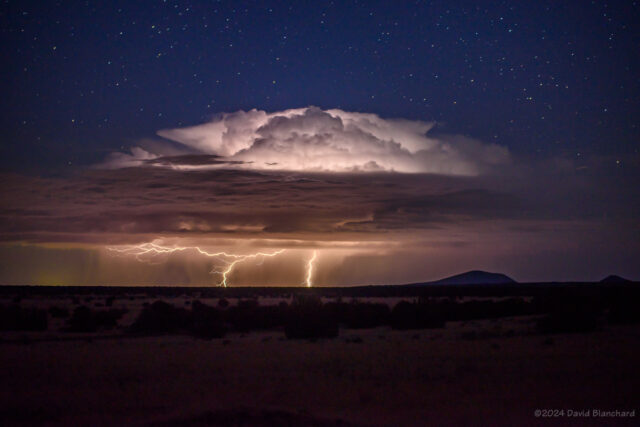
(474,277)
(614,279)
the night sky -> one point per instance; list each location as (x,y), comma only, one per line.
(529,165)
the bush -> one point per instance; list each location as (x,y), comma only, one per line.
(624,311)
(248,316)
(472,310)
(201,321)
(572,319)
(558,323)
(357,315)
(161,317)
(85,319)
(417,315)
(206,321)
(16,318)
(569,313)
(58,312)
(308,319)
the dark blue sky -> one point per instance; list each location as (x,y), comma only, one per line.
(86,85)
(546,78)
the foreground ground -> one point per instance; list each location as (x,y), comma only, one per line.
(484,372)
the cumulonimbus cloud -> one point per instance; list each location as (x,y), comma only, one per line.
(314,140)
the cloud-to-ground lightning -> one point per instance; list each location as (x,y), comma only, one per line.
(310,269)
(238,260)
(147,252)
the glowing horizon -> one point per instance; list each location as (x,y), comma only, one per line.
(376,197)
(152,249)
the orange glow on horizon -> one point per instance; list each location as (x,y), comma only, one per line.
(147,252)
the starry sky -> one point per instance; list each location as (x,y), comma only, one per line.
(530,111)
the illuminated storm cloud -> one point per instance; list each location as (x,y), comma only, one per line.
(314,140)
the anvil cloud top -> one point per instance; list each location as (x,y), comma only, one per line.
(387,141)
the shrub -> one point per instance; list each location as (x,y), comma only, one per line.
(16,318)
(161,317)
(201,321)
(308,319)
(206,321)
(58,312)
(250,316)
(569,313)
(624,311)
(248,303)
(85,319)
(472,310)
(569,319)
(357,315)
(416,315)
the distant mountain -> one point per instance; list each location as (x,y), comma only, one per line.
(475,277)
(614,279)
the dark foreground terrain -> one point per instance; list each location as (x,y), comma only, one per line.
(456,356)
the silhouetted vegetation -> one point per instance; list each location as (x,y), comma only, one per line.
(624,311)
(417,315)
(249,315)
(485,309)
(357,315)
(570,315)
(567,322)
(202,321)
(16,318)
(161,318)
(561,307)
(85,319)
(206,321)
(409,291)
(308,318)
(58,312)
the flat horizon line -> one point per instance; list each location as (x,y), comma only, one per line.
(430,284)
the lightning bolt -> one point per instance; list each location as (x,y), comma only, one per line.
(147,252)
(310,269)
(240,258)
